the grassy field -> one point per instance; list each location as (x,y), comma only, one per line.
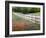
(19,24)
(36,14)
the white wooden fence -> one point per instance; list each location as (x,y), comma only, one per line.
(32,18)
(35,19)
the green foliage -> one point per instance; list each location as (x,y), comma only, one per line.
(25,9)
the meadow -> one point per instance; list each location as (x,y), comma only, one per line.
(20,23)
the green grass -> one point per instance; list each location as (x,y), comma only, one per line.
(35,26)
(16,18)
(36,14)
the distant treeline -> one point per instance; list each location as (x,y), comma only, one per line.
(26,9)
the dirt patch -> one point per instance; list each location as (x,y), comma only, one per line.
(20,25)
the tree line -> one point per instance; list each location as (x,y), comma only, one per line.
(26,9)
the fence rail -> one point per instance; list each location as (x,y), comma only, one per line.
(34,19)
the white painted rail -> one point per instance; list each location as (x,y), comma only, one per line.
(30,17)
